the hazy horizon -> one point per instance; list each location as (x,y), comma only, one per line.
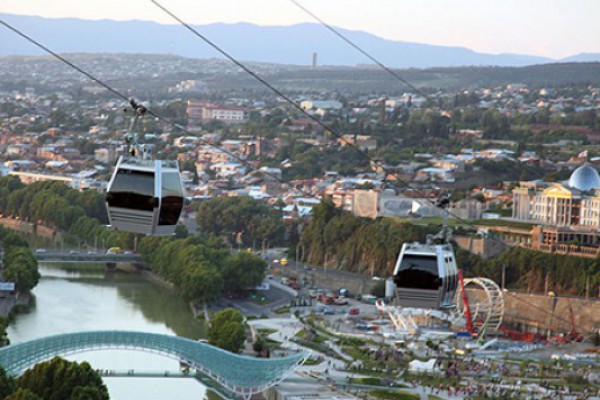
(556,29)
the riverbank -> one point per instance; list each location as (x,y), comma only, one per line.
(198,313)
(153,277)
(11,305)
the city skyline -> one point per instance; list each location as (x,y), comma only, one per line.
(556,30)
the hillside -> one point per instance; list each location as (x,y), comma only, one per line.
(272,44)
(156,73)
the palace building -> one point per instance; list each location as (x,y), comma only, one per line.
(574,203)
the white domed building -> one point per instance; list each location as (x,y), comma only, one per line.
(585,178)
(575,202)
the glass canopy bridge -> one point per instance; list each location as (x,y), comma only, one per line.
(241,375)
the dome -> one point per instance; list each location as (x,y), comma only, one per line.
(585,178)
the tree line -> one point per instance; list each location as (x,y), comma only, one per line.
(201,267)
(19,266)
(80,214)
(52,202)
(340,240)
(535,271)
(241,220)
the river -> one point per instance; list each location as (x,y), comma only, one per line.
(84,297)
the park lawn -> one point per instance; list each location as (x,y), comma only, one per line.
(266,331)
(396,395)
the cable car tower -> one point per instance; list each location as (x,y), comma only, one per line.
(144,195)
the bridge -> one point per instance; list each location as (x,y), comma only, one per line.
(77,257)
(242,375)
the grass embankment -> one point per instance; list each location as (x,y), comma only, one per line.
(390,395)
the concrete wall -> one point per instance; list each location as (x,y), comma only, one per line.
(549,313)
(333,279)
(483,247)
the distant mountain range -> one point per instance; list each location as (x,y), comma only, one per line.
(271,44)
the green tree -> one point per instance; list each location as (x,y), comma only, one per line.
(13,240)
(20,267)
(181,232)
(7,384)
(243,271)
(353,243)
(201,284)
(88,393)
(23,394)
(4,340)
(192,264)
(242,217)
(227,330)
(59,379)
(259,345)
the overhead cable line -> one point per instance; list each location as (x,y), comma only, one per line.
(135,105)
(310,116)
(64,60)
(285,97)
(363,51)
(360,49)
(247,70)
(180,128)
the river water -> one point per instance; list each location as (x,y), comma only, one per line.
(84,297)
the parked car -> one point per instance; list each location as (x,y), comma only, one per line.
(354,311)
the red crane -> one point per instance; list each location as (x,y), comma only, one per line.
(573,336)
(470,327)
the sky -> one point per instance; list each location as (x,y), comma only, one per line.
(550,28)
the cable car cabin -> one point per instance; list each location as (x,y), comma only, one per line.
(145,196)
(426,276)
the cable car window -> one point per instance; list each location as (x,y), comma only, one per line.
(172,199)
(418,272)
(132,189)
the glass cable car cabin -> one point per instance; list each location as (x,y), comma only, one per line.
(145,196)
(426,276)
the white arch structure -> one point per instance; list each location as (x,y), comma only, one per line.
(487,310)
